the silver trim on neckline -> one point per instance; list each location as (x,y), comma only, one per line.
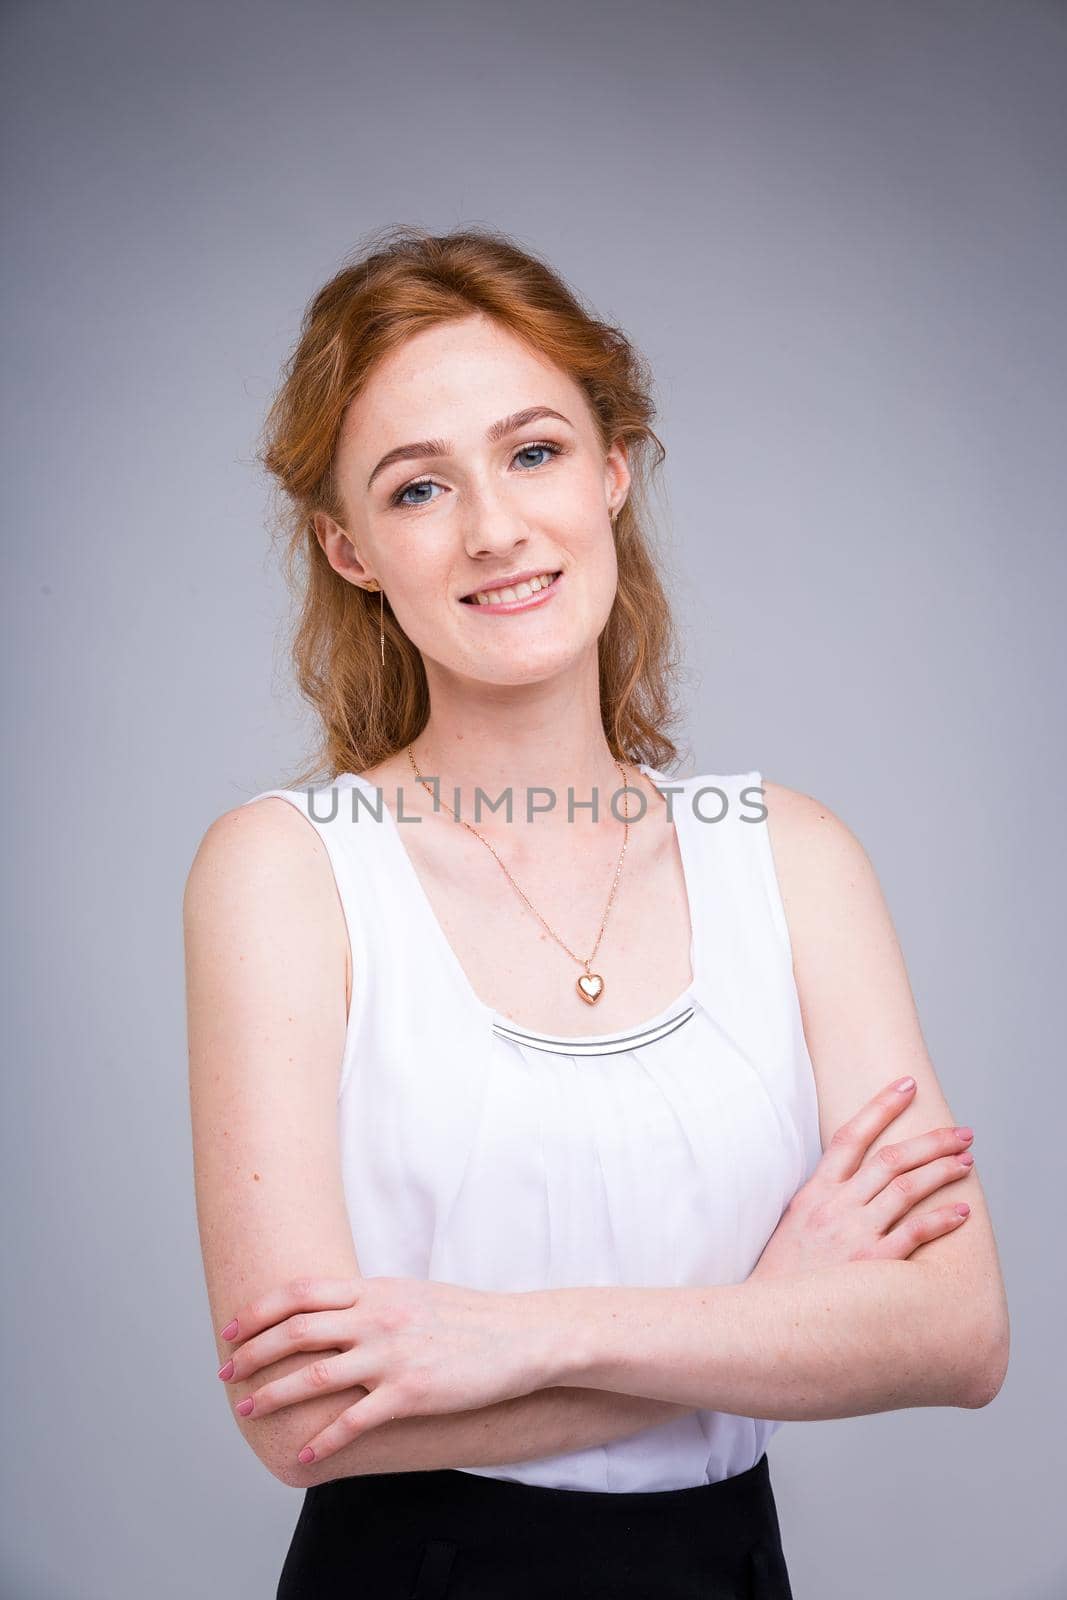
(614,1044)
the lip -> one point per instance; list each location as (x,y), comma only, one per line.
(508,607)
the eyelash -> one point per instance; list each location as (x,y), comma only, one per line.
(397,500)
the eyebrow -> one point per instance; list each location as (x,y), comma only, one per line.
(442,447)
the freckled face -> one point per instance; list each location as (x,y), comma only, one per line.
(433,528)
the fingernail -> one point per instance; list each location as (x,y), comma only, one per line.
(963,1210)
(229,1330)
(306,1455)
(904,1084)
(964,1133)
(226,1371)
(966,1159)
(245,1406)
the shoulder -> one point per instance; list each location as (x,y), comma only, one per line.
(795,817)
(820,862)
(261,862)
(261,835)
(855,997)
(846,956)
(814,852)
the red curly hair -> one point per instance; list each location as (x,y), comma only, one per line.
(407,280)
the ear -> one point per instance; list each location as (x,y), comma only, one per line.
(339,550)
(616,477)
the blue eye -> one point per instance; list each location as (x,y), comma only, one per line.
(420,483)
(527,449)
(397,499)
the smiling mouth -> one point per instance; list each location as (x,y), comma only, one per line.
(510,598)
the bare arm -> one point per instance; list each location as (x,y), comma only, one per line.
(267,972)
(543,1423)
(869,1335)
(839,1342)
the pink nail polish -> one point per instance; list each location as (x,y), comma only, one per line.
(226,1371)
(245,1406)
(306,1455)
(903,1084)
(966,1159)
(229,1330)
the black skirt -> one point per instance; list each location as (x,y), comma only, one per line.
(452,1535)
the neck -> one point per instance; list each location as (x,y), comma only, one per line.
(523,739)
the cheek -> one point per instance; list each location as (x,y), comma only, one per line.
(583,526)
(592,555)
(594,547)
(585,530)
(417,592)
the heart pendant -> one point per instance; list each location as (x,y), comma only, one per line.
(590,987)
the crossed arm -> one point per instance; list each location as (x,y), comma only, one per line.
(266,957)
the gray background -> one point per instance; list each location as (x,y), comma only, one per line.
(837,231)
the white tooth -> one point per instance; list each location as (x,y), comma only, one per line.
(521,591)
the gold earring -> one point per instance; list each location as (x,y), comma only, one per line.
(373,584)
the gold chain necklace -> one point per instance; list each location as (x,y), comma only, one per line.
(591,984)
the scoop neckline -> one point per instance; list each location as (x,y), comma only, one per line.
(495,1018)
(677,1005)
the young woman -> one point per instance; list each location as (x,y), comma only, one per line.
(561,1129)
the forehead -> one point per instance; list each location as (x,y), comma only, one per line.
(451,381)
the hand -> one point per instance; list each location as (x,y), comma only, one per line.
(416,1346)
(844,1210)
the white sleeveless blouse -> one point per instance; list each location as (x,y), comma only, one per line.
(478,1152)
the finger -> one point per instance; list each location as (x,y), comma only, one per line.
(935,1141)
(908,1188)
(911,1155)
(382,1404)
(305,1330)
(917,1228)
(299,1294)
(853,1139)
(325,1375)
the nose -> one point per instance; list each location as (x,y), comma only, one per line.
(493,524)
